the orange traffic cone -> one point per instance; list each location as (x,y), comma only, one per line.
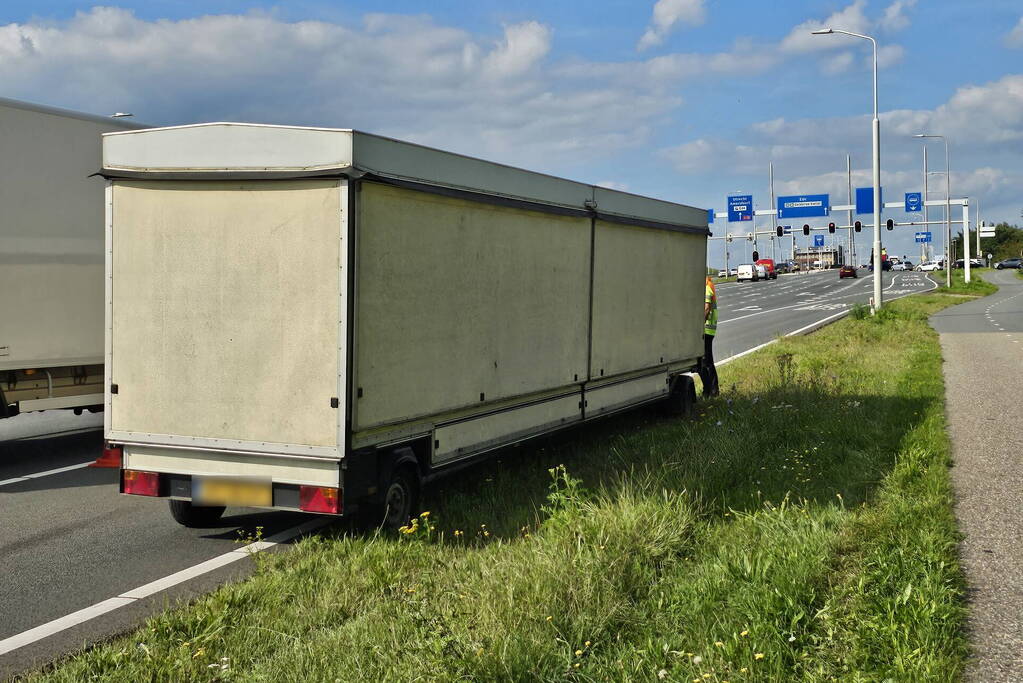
(111,457)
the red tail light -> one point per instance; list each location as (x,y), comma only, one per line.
(140,483)
(319,499)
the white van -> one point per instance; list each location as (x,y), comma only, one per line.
(748,272)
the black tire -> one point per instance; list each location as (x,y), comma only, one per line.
(681,400)
(401,500)
(195,516)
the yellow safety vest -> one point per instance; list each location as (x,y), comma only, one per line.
(711,325)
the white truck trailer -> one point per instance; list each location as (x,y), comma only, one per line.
(322,319)
(51,258)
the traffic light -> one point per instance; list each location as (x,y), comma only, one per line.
(831,228)
(857,226)
(756,255)
(806,229)
(781,231)
(890,224)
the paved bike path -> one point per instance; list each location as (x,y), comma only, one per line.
(982,346)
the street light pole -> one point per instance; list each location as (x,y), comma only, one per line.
(948,223)
(875,130)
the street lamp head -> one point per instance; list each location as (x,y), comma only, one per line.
(822,31)
(120,115)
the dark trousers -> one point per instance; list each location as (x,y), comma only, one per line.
(708,374)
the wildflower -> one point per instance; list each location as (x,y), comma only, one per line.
(578,653)
(791,638)
(706,675)
(718,643)
(744,634)
(550,618)
(424,514)
(576,665)
(458,533)
(743,670)
(587,643)
(758,656)
(697,659)
(663,673)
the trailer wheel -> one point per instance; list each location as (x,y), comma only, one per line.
(186,514)
(682,397)
(401,498)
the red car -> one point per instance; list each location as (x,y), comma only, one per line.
(846,271)
(768,264)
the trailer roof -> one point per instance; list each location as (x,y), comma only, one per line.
(226,149)
(70,114)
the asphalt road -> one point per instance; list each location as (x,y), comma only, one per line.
(69,541)
(754,313)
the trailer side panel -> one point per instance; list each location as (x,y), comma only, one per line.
(461,303)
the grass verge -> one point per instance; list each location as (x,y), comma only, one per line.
(799,528)
(978,285)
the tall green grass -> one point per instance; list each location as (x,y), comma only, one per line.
(798,528)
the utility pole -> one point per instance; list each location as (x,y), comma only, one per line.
(849,217)
(927,224)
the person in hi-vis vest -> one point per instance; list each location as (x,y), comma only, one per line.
(708,374)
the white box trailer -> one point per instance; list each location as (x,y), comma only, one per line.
(318,319)
(51,257)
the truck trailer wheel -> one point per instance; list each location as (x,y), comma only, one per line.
(682,397)
(401,499)
(186,514)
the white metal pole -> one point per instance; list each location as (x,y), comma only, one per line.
(948,218)
(927,226)
(876,131)
(978,232)
(774,241)
(849,214)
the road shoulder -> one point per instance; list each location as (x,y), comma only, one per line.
(983,369)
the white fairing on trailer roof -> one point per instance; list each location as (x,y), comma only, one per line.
(225,313)
(219,146)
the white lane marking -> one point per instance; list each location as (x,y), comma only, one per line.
(36,475)
(100,608)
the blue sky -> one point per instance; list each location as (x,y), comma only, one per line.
(687,100)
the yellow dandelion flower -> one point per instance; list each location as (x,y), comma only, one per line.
(758,656)
(587,643)
(550,618)
(578,653)
(425,513)
(718,643)
(744,634)
(576,665)
(743,670)
(706,675)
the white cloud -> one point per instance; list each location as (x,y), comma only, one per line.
(668,13)
(851,18)
(838,64)
(1014,38)
(894,18)
(405,76)
(889,55)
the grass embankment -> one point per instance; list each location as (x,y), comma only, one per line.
(978,285)
(799,528)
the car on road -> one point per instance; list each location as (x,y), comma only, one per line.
(846,271)
(722,273)
(1010,263)
(747,272)
(761,271)
(733,271)
(900,266)
(928,266)
(768,265)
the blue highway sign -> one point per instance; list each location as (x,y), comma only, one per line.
(710,215)
(914,201)
(740,208)
(818,240)
(786,229)
(923,237)
(865,199)
(804,206)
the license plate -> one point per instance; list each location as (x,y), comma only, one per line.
(226,491)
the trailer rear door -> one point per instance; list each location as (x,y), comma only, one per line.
(225,315)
